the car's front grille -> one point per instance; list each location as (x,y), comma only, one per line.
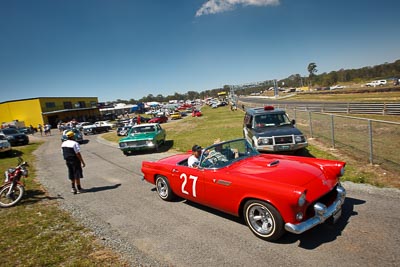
(326,199)
(283,139)
(136,143)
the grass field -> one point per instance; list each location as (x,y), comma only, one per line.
(224,124)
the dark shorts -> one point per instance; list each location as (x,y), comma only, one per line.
(74,170)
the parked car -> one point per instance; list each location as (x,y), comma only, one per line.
(95,128)
(78,136)
(80,125)
(376,83)
(27,130)
(105,123)
(273,193)
(269,129)
(336,87)
(143,136)
(14,136)
(176,115)
(142,120)
(123,131)
(159,119)
(196,113)
(5,146)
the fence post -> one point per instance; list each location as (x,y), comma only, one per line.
(333,131)
(310,122)
(371,155)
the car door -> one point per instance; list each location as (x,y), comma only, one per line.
(188,183)
(221,190)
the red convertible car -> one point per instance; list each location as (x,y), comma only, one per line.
(273,193)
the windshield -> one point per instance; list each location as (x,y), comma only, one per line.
(144,129)
(225,153)
(268,120)
(10,131)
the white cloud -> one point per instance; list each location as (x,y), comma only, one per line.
(218,6)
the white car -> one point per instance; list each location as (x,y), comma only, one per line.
(105,123)
(376,83)
(336,87)
(80,125)
(5,146)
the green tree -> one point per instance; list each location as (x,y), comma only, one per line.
(312,69)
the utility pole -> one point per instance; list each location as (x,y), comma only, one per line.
(276,93)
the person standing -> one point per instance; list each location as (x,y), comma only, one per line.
(40,129)
(138,119)
(73,158)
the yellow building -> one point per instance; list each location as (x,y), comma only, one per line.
(48,110)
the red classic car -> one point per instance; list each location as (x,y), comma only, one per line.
(273,193)
(196,113)
(159,119)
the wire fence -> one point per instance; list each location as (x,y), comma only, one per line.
(373,141)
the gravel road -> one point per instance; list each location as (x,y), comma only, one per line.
(127,215)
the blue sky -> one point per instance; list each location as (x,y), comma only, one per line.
(124,49)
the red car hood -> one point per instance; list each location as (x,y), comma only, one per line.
(294,171)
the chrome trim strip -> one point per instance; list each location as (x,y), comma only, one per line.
(223,182)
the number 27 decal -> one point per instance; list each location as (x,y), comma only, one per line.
(185,180)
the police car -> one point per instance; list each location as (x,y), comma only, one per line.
(269,129)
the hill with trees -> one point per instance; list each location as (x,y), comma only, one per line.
(383,71)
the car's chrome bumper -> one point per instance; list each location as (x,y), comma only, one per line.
(281,147)
(137,147)
(322,213)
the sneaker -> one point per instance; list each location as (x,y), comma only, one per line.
(81,191)
(73,191)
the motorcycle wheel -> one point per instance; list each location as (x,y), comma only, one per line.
(13,198)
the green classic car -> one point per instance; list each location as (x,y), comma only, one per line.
(142,137)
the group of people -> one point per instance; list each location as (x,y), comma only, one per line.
(46,129)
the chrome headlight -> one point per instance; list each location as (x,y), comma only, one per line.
(299,138)
(264,141)
(122,144)
(302,199)
(149,142)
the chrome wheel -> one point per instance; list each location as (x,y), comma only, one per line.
(163,188)
(263,220)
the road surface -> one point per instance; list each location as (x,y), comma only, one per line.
(127,215)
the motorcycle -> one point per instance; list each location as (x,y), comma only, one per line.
(13,189)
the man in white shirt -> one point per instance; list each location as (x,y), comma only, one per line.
(193,160)
(73,158)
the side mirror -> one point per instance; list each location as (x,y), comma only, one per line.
(293,122)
